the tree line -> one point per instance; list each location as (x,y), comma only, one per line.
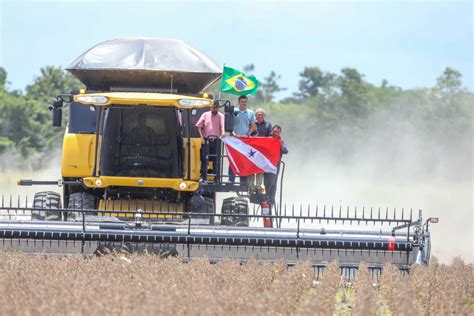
(326,107)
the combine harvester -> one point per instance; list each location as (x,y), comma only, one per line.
(130,178)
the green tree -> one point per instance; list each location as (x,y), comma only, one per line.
(50,83)
(449,82)
(354,92)
(3,78)
(23,125)
(269,87)
(313,81)
(248,69)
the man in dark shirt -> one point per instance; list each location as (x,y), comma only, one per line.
(264,128)
(270,179)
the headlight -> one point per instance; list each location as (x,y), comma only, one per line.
(190,102)
(91,99)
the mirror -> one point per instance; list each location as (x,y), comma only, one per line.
(57,116)
(65,98)
(228,122)
(228,108)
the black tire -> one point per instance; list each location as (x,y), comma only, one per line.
(49,201)
(235,206)
(209,208)
(81,201)
(206,205)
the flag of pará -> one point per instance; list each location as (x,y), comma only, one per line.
(253,155)
(236,82)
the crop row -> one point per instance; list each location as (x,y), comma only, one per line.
(146,284)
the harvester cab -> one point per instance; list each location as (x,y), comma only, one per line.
(131,169)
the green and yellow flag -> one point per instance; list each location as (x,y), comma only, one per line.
(236,82)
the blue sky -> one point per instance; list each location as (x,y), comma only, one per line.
(408,43)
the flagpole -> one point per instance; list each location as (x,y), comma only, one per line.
(219,97)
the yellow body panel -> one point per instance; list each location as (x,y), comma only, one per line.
(78,155)
(176,184)
(195,158)
(148,206)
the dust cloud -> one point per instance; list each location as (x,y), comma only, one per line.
(392,164)
(13,168)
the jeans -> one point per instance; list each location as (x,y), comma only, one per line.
(231,175)
(243,180)
(210,147)
(270,182)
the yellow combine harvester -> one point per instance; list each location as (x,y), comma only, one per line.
(130,169)
(131,142)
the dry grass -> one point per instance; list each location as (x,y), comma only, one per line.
(146,285)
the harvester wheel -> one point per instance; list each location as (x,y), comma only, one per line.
(235,206)
(47,200)
(209,208)
(201,204)
(81,201)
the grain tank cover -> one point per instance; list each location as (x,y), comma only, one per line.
(166,65)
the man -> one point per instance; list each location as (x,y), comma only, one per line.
(210,127)
(263,129)
(270,179)
(244,126)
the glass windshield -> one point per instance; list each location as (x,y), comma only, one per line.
(83,118)
(141,141)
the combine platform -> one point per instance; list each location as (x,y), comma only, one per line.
(318,234)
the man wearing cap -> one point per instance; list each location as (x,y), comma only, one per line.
(210,127)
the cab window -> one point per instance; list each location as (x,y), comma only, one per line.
(83,118)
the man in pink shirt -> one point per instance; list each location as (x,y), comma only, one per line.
(210,127)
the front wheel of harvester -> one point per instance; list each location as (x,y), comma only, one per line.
(44,204)
(201,204)
(235,206)
(81,201)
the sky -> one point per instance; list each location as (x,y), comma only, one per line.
(407,43)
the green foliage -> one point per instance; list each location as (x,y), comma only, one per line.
(270,86)
(25,121)
(3,78)
(52,82)
(450,82)
(313,82)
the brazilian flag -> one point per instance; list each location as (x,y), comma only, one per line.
(236,82)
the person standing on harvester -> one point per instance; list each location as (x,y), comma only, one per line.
(263,128)
(244,126)
(210,127)
(270,179)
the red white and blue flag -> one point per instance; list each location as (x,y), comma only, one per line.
(253,155)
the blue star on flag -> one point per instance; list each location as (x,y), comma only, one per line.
(251,153)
